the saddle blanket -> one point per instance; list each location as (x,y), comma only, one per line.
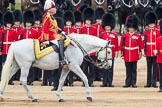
(41,49)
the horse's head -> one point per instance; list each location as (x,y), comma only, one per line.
(127,3)
(104,57)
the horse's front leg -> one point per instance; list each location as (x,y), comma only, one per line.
(23,80)
(77,70)
(63,76)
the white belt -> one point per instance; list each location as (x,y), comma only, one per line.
(150,43)
(131,48)
(7,42)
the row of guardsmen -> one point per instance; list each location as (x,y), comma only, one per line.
(16,25)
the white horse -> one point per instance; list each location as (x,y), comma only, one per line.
(21,56)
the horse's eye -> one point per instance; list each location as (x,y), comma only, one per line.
(108,52)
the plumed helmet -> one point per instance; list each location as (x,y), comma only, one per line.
(78,16)
(88,14)
(38,15)
(133,22)
(60,22)
(69,16)
(161,26)
(158,12)
(82,7)
(59,13)
(108,19)
(49,4)
(8,18)
(99,12)
(150,17)
(18,15)
(28,17)
(1,19)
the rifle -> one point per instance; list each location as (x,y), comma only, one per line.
(123,46)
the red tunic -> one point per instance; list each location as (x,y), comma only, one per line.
(113,38)
(132,47)
(38,30)
(49,27)
(159,49)
(18,31)
(99,30)
(8,39)
(69,30)
(151,36)
(29,34)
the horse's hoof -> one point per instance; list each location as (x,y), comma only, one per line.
(89,98)
(61,100)
(34,100)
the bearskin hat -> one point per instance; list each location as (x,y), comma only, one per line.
(108,19)
(82,7)
(28,17)
(59,13)
(69,16)
(132,21)
(78,16)
(8,18)
(158,12)
(99,13)
(38,15)
(18,15)
(150,17)
(60,22)
(1,18)
(88,14)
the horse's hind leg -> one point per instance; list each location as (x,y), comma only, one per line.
(15,68)
(23,80)
(63,76)
(77,70)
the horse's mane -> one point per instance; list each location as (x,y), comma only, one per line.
(88,38)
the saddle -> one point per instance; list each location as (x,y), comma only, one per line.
(42,49)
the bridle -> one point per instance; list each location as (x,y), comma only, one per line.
(102,62)
(97,63)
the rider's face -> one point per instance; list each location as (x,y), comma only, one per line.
(52,11)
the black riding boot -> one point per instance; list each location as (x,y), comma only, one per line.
(61,52)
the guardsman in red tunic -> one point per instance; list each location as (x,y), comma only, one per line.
(158,12)
(130,48)
(38,22)
(17,27)
(50,29)
(38,28)
(98,20)
(29,33)
(88,28)
(158,52)
(69,22)
(68,29)
(9,35)
(108,23)
(1,28)
(149,43)
(78,22)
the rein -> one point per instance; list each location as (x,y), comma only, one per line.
(88,58)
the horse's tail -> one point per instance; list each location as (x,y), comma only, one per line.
(7,69)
